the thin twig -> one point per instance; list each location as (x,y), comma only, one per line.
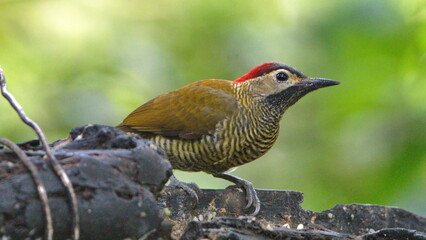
(52,159)
(42,193)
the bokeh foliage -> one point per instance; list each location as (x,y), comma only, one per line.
(71,63)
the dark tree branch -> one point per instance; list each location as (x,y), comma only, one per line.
(52,160)
(40,187)
(117,179)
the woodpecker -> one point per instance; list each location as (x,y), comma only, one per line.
(216,125)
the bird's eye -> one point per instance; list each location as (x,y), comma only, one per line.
(281,76)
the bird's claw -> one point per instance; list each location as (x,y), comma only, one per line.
(251,195)
(190,188)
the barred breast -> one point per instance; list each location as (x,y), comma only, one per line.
(235,141)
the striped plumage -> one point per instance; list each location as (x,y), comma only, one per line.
(214,125)
(243,136)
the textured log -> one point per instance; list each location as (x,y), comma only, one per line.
(282,217)
(116,176)
(119,181)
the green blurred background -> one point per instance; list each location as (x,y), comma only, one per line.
(71,63)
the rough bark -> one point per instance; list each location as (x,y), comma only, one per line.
(117,178)
(282,217)
(119,182)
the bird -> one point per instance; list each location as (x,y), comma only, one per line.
(216,125)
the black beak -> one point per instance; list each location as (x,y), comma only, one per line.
(292,94)
(315,83)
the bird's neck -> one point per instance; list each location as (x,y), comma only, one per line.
(257,106)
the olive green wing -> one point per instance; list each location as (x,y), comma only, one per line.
(188,113)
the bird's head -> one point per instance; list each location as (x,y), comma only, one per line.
(279,85)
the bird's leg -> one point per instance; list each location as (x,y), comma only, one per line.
(251,195)
(191,188)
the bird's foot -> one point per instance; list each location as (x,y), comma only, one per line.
(190,188)
(251,195)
